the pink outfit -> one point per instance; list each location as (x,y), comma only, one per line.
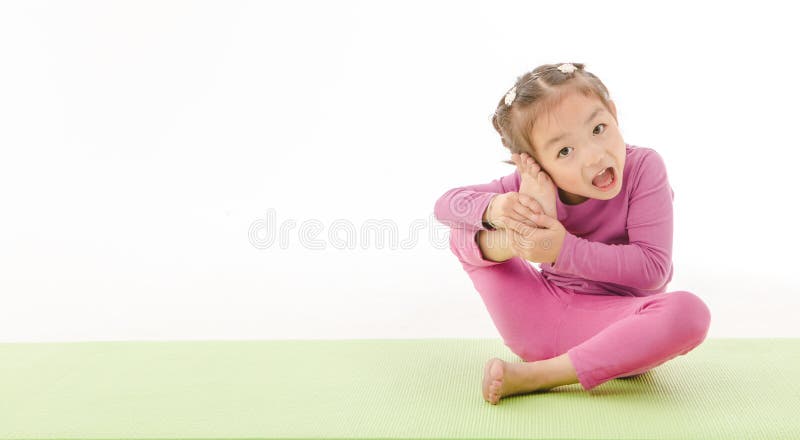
(604,301)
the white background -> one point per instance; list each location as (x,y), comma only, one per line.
(140,141)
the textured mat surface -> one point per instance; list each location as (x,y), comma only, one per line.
(428,388)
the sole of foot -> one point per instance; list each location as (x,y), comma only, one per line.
(536,183)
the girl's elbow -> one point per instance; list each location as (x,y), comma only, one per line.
(660,275)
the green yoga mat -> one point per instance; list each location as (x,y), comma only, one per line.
(421,388)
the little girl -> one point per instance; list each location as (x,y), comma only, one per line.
(597,214)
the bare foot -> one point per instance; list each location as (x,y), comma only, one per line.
(535,182)
(501,379)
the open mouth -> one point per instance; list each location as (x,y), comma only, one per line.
(605,180)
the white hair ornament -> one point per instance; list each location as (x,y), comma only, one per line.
(511,95)
(567,68)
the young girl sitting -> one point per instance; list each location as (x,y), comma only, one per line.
(596,213)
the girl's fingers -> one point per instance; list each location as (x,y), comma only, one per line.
(505,219)
(519,227)
(525,220)
(510,223)
(525,213)
(530,203)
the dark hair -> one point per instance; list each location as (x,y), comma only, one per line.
(538,92)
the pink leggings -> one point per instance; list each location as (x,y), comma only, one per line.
(605,336)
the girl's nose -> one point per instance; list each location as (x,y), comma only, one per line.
(597,157)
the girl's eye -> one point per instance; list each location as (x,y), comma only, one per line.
(600,125)
(559,152)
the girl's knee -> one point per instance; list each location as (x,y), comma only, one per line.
(691,314)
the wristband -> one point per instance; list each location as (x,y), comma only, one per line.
(488,224)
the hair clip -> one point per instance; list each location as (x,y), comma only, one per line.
(567,68)
(511,95)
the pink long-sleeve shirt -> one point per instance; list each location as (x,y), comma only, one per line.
(621,246)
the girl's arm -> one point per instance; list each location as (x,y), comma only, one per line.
(644,263)
(463,207)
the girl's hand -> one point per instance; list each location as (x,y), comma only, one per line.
(537,245)
(511,208)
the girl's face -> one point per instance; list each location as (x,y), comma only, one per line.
(575,142)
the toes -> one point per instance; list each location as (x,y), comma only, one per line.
(494,379)
(530,164)
(528,158)
(495,388)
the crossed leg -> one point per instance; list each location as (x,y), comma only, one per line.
(615,336)
(566,337)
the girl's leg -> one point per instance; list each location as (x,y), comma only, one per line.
(610,336)
(523,306)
